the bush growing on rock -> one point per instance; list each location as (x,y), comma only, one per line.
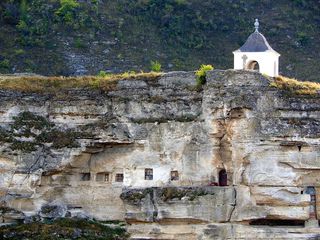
(202,72)
(102,74)
(155,66)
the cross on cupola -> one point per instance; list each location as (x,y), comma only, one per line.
(256,54)
(256,25)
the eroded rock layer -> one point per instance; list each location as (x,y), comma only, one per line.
(236,159)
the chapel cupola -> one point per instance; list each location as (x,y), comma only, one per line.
(256,54)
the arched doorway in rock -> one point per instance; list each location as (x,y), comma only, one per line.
(253,65)
(223,178)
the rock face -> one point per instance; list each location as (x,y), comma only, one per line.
(154,152)
(189,204)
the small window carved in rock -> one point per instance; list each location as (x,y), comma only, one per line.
(85,176)
(237,113)
(103,177)
(119,177)
(174,175)
(299,148)
(148,174)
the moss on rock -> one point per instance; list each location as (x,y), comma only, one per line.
(64,228)
(30,131)
(190,194)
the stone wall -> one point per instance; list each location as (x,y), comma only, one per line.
(72,149)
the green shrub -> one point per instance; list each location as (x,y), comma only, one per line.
(155,66)
(181,2)
(5,64)
(78,43)
(302,38)
(23,9)
(22,26)
(102,74)
(67,10)
(202,72)
(19,51)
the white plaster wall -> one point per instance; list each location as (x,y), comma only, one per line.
(268,61)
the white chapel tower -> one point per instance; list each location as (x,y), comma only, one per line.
(256,54)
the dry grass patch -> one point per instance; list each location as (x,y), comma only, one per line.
(42,84)
(295,86)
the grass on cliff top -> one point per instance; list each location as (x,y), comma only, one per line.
(54,84)
(296,86)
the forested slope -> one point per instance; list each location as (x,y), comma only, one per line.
(70,37)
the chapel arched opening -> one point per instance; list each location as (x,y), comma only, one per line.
(253,65)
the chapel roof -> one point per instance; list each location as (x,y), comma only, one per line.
(256,42)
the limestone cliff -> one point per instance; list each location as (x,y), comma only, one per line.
(153,152)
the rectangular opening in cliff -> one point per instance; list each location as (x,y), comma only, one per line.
(223,178)
(85,177)
(148,174)
(119,177)
(277,222)
(294,144)
(103,177)
(174,175)
(236,113)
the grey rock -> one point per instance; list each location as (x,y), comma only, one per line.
(53,211)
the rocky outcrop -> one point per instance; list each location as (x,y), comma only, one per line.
(188,204)
(154,152)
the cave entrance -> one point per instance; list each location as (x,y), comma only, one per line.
(253,65)
(85,176)
(223,178)
(277,222)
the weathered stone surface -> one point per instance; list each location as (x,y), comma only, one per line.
(10,215)
(280,196)
(220,231)
(178,80)
(188,204)
(318,202)
(53,211)
(83,148)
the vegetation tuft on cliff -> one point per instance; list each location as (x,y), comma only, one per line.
(43,84)
(66,228)
(295,86)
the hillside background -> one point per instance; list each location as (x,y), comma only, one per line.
(69,37)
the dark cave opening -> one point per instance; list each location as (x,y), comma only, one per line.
(276,222)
